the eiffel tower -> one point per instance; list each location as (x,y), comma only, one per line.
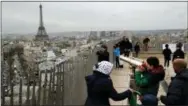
(41,34)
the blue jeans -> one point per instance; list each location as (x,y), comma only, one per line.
(149,100)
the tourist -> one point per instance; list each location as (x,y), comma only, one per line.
(117,54)
(125,46)
(178,53)
(122,44)
(145,42)
(100,87)
(147,78)
(128,47)
(167,55)
(178,89)
(103,54)
(137,49)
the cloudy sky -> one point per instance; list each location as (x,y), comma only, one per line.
(23,17)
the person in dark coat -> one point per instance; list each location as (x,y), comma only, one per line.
(177,94)
(145,42)
(128,47)
(103,54)
(167,55)
(179,52)
(137,49)
(125,46)
(122,44)
(100,87)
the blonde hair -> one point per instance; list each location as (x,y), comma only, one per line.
(180,63)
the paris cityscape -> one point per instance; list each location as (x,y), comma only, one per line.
(29,55)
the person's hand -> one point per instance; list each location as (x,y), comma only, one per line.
(140,98)
(134,91)
(142,67)
(137,69)
(129,92)
(131,74)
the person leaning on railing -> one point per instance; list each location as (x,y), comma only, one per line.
(177,94)
(147,78)
(100,87)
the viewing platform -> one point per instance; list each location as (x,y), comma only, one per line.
(121,78)
(64,84)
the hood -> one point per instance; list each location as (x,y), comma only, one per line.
(157,70)
(104,67)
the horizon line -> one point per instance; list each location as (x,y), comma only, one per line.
(101,30)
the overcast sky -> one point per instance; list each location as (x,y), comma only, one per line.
(23,17)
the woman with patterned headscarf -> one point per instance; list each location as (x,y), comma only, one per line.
(100,87)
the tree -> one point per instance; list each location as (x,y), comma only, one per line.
(89,41)
(57,52)
(63,45)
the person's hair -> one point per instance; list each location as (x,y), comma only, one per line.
(115,46)
(181,63)
(179,45)
(166,45)
(153,61)
(104,46)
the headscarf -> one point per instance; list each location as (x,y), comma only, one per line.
(104,67)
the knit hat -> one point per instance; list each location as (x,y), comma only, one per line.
(104,67)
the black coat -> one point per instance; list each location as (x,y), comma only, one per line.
(178,90)
(125,45)
(146,40)
(100,89)
(167,54)
(103,56)
(136,48)
(178,54)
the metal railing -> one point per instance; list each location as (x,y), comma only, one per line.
(64,84)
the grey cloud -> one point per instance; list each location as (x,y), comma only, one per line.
(23,17)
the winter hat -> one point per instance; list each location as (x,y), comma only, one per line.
(104,67)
